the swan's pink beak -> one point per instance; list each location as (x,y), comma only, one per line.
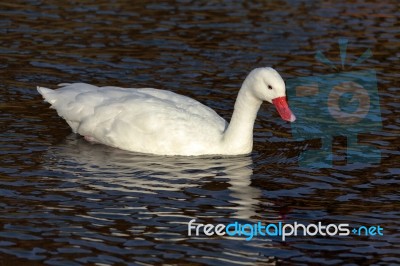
(283,109)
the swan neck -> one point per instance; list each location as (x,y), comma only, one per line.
(238,137)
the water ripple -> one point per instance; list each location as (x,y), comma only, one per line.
(67,202)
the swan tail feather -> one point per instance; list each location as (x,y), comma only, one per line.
(47,94)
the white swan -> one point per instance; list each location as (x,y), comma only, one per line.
(165,123)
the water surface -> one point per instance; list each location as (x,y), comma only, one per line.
(67,202)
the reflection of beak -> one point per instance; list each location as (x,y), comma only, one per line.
(283,109)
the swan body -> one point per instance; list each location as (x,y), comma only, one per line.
(165,123)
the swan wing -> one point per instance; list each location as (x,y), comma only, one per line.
(136,119)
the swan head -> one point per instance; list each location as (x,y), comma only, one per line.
(267,85)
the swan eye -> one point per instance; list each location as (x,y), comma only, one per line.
(270,87)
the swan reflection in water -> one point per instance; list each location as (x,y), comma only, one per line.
(100,168)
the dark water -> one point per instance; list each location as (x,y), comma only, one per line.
(66,202)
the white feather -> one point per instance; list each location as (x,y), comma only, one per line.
(156,121)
